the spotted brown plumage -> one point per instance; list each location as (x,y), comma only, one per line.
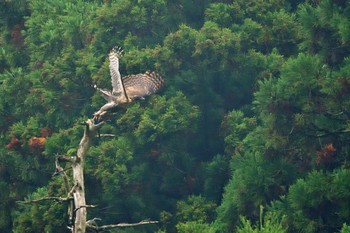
(141,85)
(128,88)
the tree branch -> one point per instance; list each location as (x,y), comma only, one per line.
(107,135)
(60,199)
(325,132)
(61,171)
(65,158)
(112,226)
(84,206)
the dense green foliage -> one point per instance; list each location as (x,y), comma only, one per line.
(255,112)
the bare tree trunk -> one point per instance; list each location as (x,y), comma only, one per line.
(78,177)
(77,209)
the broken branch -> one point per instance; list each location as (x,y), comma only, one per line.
(60,199)
(61,171)
(84,206)
(112,226)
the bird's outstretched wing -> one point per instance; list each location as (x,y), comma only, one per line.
(117,84)
(128,88)
(141,85)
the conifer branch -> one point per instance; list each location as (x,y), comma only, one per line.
(322,132)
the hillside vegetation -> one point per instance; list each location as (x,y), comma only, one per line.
(250,134)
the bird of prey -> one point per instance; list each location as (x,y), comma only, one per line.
(128,88)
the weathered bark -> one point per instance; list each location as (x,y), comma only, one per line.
(60,199)
(61,171)
(76,194)
(78,176)
(120,225)
(118,97)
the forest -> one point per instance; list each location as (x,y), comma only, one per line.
(251,133)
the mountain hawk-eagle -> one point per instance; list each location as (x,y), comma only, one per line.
(128,88)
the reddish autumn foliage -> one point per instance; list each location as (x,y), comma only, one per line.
(36,143)
(14,144)
(326,154)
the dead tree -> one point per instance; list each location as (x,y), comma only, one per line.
(125,90)
(78,190)
(77,208)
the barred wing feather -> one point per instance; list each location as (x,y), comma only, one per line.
(141,85)
(117,84)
